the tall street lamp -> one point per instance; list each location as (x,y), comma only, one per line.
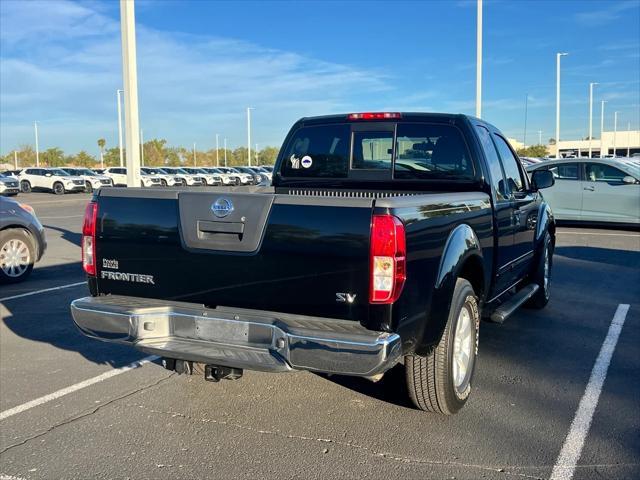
(217,150)
(558,55)
(249,134)
(615,131)
(602,102)
(225,151)
(479,60)
(120,127)
(591,114)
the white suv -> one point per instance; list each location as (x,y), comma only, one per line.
(210,178)
(119,177)
(92,181)
(191,180)
(166,180)
(55,180)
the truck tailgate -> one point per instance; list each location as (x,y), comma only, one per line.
(261,251)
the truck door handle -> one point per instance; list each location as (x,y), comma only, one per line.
(589,188)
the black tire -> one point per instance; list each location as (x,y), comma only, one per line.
(545,262)
(163,182)
(25,186)
(88,187)
(18,274)
(430,379)
(58,188)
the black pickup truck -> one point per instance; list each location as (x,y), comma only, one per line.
(384,239)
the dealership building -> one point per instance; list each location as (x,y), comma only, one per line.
(624,142)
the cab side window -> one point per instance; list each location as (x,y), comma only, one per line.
(599,172)
(495,170)
(510,163)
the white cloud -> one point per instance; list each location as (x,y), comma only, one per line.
(601,16)
(63,68)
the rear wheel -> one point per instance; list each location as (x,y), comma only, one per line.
(88,187)
(440,382)
(163,182)
(58,188)
(17,255)
(542,275)
(25,186)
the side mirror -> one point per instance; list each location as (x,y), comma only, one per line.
(629,179)
(542,179)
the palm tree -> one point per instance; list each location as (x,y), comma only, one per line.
(101,143)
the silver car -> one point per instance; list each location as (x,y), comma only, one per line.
(603,190)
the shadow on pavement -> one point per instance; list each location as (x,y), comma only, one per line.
(67,235)
(46,318)
(622,258)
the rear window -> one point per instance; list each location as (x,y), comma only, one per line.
(320,151)
(413,151)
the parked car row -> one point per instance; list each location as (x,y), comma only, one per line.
(68,179)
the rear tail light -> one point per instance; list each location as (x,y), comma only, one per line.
(89,238)
(373,116)
(388,259)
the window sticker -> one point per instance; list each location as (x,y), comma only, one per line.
(295,162)
(306,161)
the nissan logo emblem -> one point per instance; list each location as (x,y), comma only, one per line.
(222,207)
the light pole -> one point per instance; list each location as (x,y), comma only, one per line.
(628,139)
(524,136)
(217,151)
(558,55)
(615,131)
(35,127)
(195,160)
(130,84)
(249,134)
(255,155)
(120,128)
(479,61)
(141,148)
(591,114)
(15,159)
(602,102)
(539,137)
(225,151)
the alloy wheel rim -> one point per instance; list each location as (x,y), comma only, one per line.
(14,258)
(462,349)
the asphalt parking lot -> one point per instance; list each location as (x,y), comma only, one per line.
(68,408)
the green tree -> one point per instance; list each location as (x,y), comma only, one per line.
(112,157)
(101,143)
(54,157)
(239,157)
(268,155)
(173,157)
(83,159)
(533,151)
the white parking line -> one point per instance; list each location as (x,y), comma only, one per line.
(43,291)
(600,234)
(74,388)
(572,449)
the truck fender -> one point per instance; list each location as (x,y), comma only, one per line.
(545,223)
(461,250)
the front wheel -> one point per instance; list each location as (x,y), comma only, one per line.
(440,382)
(88,187)
(17,255)
(58,188)
(25,186)
(542,275)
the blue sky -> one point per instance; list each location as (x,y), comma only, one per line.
(200,64)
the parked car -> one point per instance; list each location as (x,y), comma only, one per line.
(243,178)
(209,178)
(188,178)
(9,185)
(594,190)
(22,240)
(166,179)
(92,181)
(389,237)
(119,177)
(228,178)
(256,176)
(54,180)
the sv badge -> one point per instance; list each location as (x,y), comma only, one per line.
(345,297)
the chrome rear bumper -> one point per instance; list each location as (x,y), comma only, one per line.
(250,339)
